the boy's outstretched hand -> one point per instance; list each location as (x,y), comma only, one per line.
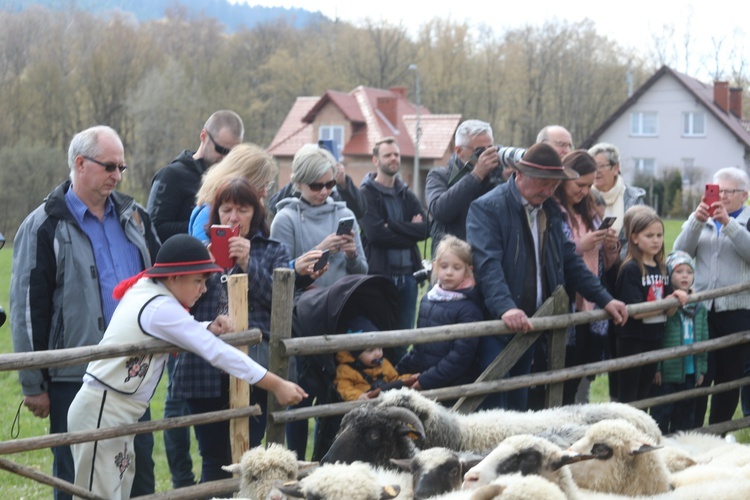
(222,324)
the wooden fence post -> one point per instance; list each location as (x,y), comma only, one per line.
(282,306)
(239,390)
(556,356)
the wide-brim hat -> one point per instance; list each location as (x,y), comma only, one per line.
(543,162)
(182,254)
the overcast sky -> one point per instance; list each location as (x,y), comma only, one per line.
(630,23)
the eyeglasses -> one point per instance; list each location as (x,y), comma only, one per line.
(109,167)
(219,149)
(729,192)
(318,186)
(604,166)
(561,144)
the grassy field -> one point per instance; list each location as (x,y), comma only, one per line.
(16,487)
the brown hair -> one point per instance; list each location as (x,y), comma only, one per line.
(384,140)
(239,191)
(582,162)
(637,218)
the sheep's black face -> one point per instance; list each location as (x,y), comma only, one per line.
(528,461)
(429,482)
(602,451)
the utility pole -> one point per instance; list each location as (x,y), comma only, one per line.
(415,187)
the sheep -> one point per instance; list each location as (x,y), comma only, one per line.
(526,454)
(349,481)
(443,428)
(436,471)
(624,464)
(708,448)
(510,487)
(260,468)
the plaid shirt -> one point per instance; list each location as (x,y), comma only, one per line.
(194,377)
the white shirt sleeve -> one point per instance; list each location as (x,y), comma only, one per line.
(164,318)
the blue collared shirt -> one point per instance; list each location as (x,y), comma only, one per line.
(115,256)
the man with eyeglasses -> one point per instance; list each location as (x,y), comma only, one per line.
(393,224)
(558,137)
(68,256)
(170,204)
(174,187)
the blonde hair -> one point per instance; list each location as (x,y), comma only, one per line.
(311,163)
(636,221)
(456,246)
(244,160)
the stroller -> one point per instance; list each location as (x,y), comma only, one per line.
(324,311)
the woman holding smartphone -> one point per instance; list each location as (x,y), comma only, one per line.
(312,220)
(236,204)
(597,247)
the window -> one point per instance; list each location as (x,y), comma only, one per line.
(694,124)
(645,165)
(643,123)
(333,133)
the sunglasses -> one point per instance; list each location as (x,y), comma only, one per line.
(109,167)
(318,186)
(219,149)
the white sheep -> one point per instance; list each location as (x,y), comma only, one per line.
(624,462)
(485,429)
(436,471)
(527,455)
(709,448)
(260,468)
(350,481)
(510,487)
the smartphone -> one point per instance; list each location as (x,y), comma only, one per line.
(345,226)
(607,222)
(330,146)
(220,244)
(712,196)
(322,261)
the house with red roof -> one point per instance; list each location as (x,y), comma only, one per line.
(674,121)
(355,121)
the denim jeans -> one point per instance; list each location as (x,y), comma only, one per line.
(177,441)
(407,289)
(677,416)
(517,399)
(61,395)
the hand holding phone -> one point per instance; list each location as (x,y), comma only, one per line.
(711,197)
(220,235)
(322,261)
(345,226)
(607,222)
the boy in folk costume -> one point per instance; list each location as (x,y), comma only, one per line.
(117,391)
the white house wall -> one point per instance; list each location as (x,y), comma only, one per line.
(717,149)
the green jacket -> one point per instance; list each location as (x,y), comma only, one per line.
(673,370)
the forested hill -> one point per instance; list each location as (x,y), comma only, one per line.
(232,16)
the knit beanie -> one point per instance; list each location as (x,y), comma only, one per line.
(677,258)
(359,324)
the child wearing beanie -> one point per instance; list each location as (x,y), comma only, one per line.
(687,326)
(364,374)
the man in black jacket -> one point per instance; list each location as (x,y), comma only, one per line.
(170,204)
(393,224)
(450,190)
(174,187)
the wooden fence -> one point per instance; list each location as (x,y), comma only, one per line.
(552,317)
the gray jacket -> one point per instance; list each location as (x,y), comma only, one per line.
(55,298)
(722,258)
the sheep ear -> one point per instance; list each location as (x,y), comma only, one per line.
(304,469)
(470,462)
(292,489)
(390,491)
(402,463)
(643,448)
(232,469)
(570,457)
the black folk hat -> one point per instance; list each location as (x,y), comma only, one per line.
(543,162)
(182,254)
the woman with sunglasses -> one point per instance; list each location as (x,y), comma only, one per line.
(310,221)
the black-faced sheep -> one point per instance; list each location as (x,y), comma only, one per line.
(350,481)
(525,455)
(443,428)
(436,471)
(625,463)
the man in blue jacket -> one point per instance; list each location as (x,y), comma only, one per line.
(521,255)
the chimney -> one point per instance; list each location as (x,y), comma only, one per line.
(399,91)
(388,106)
(721,95)
(735,101)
